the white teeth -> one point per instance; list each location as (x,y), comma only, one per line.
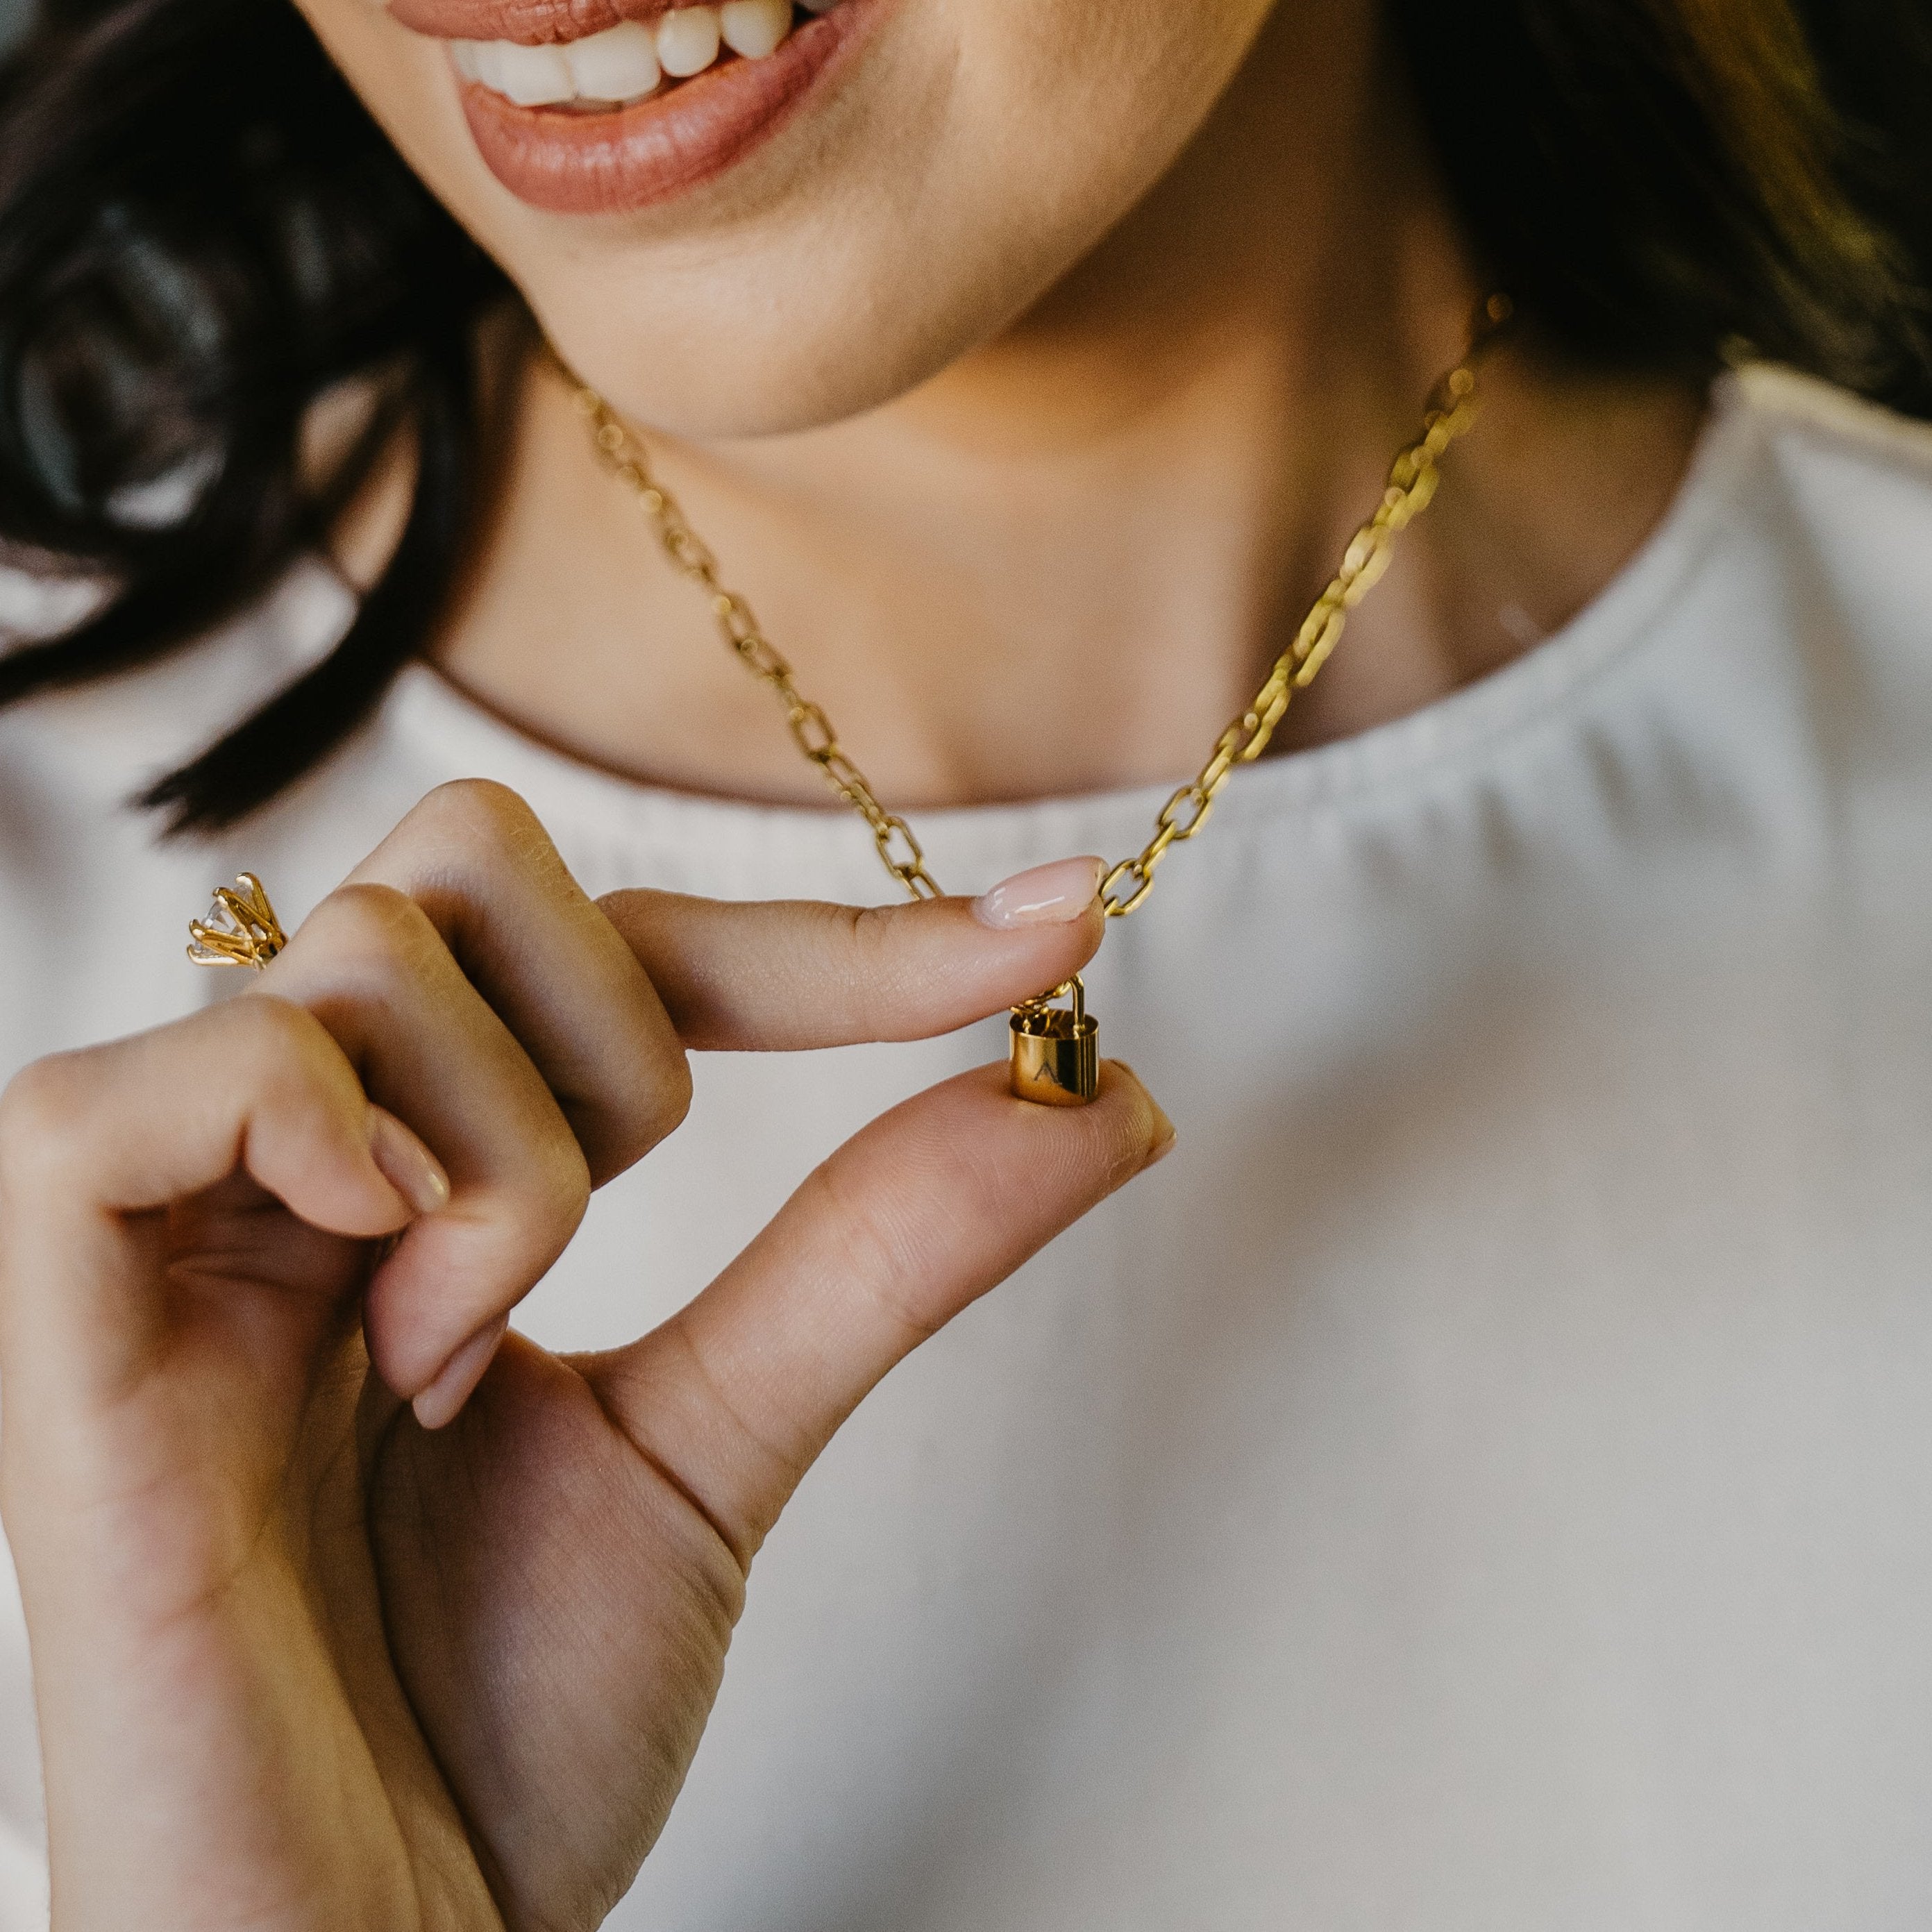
(754,28)
(628,61)
(487,55)
(533,76)
(688,40)
(620,64)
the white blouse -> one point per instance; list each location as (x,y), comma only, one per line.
(1483,1482)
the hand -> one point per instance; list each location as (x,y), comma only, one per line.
(303,1662)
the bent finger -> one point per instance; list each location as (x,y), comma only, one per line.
(921,1213)
(371,967)
(92,1142)
(476,859)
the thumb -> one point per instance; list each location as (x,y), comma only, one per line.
(919,1215)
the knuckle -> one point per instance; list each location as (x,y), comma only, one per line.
(559,1178)
(530,1201)
(465,839)
(617,1130)
(279,1052)
(868,929)
(873,935)
(276,1040)
(40,1110)
(480,814)
(262,1029)
(666,1102)
(675,1101)
(374,925)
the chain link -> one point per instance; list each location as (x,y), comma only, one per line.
(1412,481)
(811,728)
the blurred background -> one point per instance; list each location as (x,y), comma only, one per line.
(12,14)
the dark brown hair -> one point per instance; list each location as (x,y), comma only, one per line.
(202,232)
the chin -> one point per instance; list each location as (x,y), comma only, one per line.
(774,335)
(701,382)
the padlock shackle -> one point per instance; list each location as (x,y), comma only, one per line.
(1074,989)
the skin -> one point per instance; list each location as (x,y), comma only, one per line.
(1039,427)
(1070,344)
(301,1662)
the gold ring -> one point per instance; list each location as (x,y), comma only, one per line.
(241,928)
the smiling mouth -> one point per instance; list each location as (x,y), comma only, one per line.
(612,106)
(636,59)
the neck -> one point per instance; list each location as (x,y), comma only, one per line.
(1114,515)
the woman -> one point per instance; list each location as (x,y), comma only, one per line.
(1480,1481)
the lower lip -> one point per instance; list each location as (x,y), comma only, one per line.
(568,162)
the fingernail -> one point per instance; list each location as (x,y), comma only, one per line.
(1054,895)
(405,1164)
(458,1377)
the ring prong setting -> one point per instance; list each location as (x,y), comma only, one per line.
(241,928)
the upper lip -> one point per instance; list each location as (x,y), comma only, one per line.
(534,23)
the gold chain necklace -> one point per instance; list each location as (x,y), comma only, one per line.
(1055,1050)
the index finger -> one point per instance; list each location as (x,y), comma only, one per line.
(786,975)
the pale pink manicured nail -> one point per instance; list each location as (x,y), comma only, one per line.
(405,1164)
(1054,895)
(439,1402)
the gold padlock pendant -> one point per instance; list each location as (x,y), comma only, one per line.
(1056,1050)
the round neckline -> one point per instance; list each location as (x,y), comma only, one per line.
(426,707)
